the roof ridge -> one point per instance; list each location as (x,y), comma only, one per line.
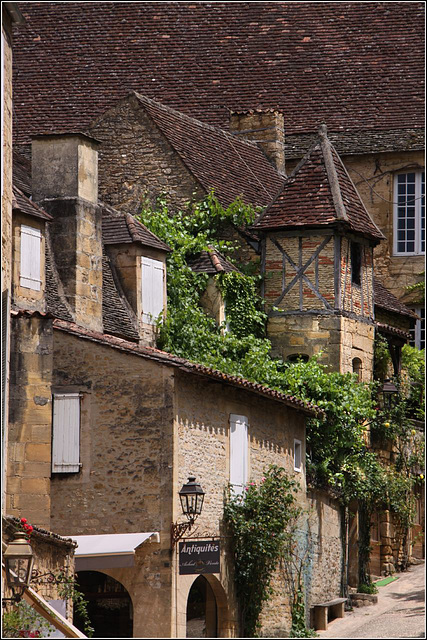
(331,172)
(185,116)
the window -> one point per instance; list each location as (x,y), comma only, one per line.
(297,455)
(152,289)
(30,258)
(418,329)
(298,357)
(357,368)
(239,451)
(356,262)
(409,213)
(66,433)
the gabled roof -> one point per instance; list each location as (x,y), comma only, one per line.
(319,192)
(212,262)
(23,204)
(171,360)
(122,228)
(385,299)
(216,158)
(354,65)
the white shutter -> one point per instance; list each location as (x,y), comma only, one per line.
(66,433)
(238,452)
(297,455)
(152,289)
(30,258)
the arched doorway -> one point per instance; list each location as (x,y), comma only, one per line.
(202,615)
(109,605)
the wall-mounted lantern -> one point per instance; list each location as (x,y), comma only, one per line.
(18,559)
(390,394)
(191,497)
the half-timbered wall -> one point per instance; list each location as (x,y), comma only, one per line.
(313,303)
(354,298)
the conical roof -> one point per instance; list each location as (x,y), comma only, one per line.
(319,192)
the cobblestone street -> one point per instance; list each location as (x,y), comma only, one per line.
(400,612)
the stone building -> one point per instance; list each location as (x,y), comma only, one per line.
(207,109)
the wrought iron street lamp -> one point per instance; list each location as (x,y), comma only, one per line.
(18,559)
(191,497)
(389,393)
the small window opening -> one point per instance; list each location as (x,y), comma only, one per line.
(356,262)
(297,357)
(357,368)
(297,455)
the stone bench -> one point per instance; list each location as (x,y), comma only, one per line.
(327,611)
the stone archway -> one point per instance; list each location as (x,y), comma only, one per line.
(109,605)
(215,607)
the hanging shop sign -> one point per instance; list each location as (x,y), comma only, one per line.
(201,556)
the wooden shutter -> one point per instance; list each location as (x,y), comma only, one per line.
(238,452)
(66,433)
(152,289)
(30,257)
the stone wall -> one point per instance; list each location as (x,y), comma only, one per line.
(357,341)
(77,245)
(29,463)
(6,217)
(323,573)
(203,450)
(125,482)
(136,161)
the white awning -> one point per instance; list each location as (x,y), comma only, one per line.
(108,551)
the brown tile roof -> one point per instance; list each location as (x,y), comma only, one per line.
(12,524)
(23,204)
(22,173)
(217,159)
(387,328)
(353,65)
(169,359)
(319,192)
(386,300)
(212,262)
(119,228)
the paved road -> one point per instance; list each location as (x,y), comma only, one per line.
(400,612)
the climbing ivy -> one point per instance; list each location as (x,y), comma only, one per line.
(259,522)
(337,453)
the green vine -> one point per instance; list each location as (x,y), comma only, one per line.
(24,622)
(259,523)
(337,455)
(69,589)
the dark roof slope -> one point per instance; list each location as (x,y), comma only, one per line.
(217,159)
(23,204)
(117,315)
(22,173)
(122,228)
(212,262)
(319,192)
(386,300)
(353,65)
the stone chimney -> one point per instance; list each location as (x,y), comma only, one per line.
(65,183)
(266,128)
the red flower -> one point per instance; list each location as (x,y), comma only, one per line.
(23,520)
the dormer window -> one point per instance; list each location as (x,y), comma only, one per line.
(152,289)
(30,269)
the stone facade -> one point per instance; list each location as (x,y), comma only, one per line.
(6,218)
(137,162)
(30,420)
(267,129)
